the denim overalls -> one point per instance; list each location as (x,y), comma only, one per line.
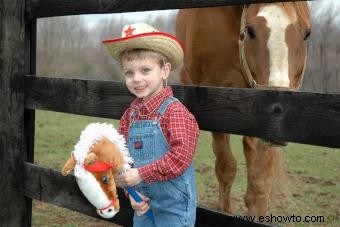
(173,202)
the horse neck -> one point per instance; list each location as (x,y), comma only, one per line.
(229,17)
(220,45)
(234,14)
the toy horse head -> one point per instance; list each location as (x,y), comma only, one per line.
(98,157)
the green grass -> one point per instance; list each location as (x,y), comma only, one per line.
(313,174)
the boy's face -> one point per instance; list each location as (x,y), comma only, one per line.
(144,77)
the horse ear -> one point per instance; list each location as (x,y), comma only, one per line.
(69,166)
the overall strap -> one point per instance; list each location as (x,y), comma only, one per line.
(165,105)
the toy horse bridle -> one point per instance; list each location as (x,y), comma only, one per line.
(98,166)
(249,78)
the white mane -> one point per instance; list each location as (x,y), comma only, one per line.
(92,134)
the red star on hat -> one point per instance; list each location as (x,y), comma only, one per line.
(128,31)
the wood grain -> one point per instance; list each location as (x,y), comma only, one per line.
(49,8)
(14,64)
(309,118)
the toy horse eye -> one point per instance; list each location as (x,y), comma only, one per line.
(104,179)
(251,32)
(109,210)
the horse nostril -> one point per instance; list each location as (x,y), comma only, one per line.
(101,212)
(277,108)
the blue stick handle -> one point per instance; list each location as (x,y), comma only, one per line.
(138,199)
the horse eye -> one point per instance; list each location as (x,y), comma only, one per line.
(104,179)
(307,34)
(251,32)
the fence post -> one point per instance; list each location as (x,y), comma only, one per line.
(15,209)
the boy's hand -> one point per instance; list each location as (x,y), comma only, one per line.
(141,207)
(130,178)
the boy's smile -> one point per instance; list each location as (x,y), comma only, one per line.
(144,77)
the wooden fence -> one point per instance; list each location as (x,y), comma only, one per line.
(289,116)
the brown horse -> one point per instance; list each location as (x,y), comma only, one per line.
(258,45)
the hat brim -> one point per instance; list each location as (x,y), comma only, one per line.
(161,42)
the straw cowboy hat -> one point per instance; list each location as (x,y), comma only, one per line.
(144,36)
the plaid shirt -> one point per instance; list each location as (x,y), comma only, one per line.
(179,128)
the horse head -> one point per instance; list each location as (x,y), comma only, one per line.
(98,157)
(273,44)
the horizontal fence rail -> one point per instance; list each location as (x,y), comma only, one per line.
(50,186)
(309,118)
(49,8)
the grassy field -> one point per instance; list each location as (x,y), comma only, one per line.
(313,177)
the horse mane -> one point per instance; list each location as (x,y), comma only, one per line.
(92,134)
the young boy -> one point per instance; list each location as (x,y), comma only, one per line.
(161,133)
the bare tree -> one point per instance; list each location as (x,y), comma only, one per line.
(322,72)
(66,47)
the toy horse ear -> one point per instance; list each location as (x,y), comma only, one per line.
(69,166)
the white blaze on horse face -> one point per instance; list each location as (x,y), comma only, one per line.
(277,22)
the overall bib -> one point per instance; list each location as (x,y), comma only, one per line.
(173,202)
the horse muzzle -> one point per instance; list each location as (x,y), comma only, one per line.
(107,212)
